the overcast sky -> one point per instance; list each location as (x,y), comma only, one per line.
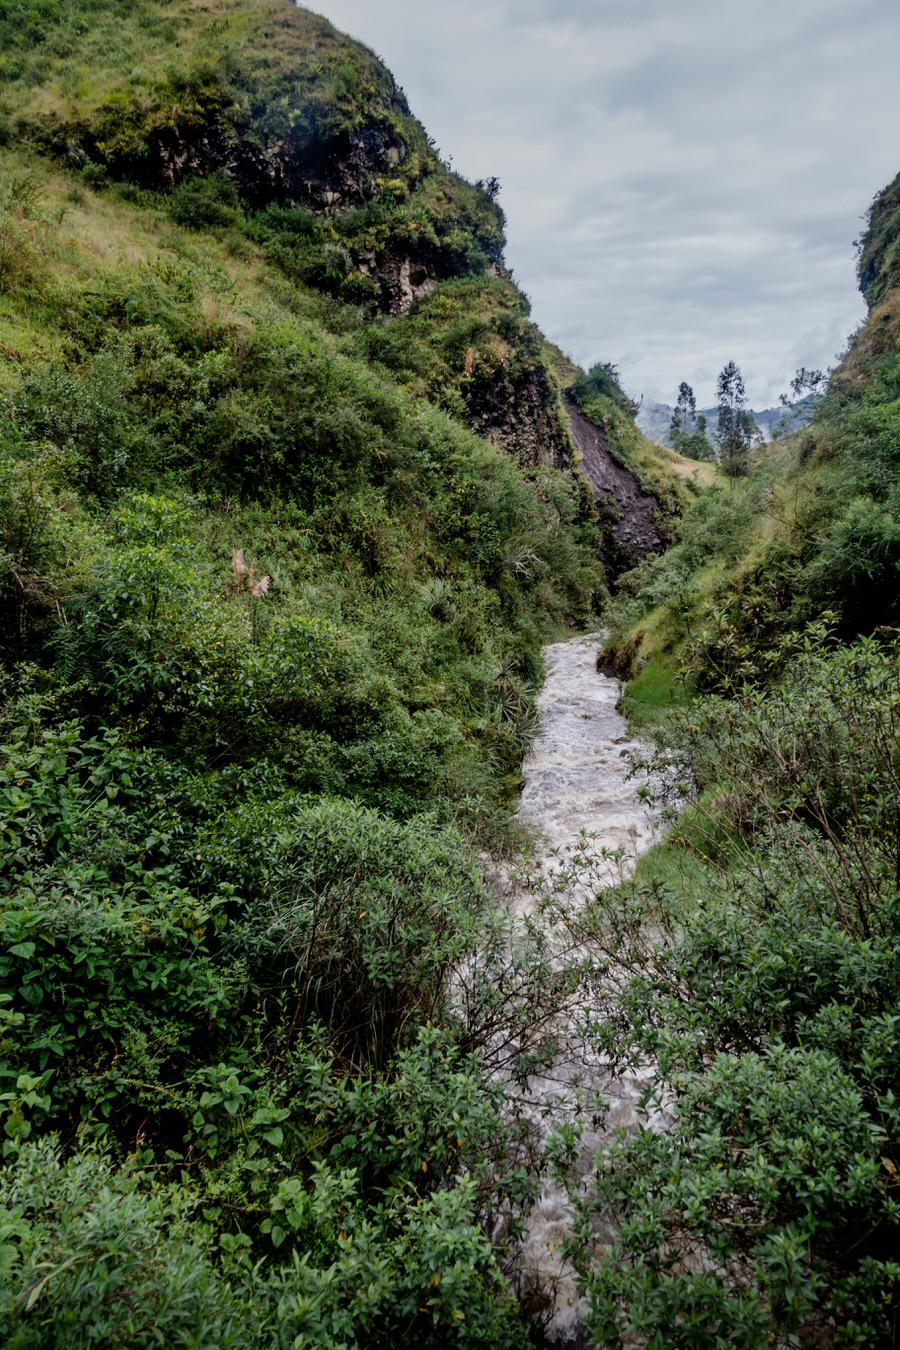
(683,180)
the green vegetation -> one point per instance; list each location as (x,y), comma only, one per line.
(735,428)
(687,430)
(665,475)
(810,530)
(271,613)
(653,692)
(879,252)
(125,74)
(762,980)
(288,507)
(757,947)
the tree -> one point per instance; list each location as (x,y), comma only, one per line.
(489,185)
(687,430)
(737,430)
(807,388)
(684,417)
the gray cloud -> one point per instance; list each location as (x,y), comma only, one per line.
(682,183)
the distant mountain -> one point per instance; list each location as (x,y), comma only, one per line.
(654,418)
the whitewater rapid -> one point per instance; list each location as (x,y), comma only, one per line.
(578,781)
(576,776)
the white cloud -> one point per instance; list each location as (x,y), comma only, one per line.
(682,183)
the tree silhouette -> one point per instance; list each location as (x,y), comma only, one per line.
(737,430)
(685,415)
(687,429)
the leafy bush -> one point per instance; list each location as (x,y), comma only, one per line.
(99,948)
(38,536)
(93,1256)
(363,922)
(204,203)
(856,571)
(433,1280)
(768,1006)
(93,1253)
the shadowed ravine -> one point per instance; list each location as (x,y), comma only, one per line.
(577,781)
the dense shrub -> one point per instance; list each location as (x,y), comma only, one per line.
(93,1256)
(250,990)
(271,625)
(766,997)
(856,571)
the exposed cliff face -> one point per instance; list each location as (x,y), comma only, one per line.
(403,275)
(520,415)
(627,513)
(306,158)
(403,278)
(324,174)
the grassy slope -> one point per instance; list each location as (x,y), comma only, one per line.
(99,65)
(761,556)
(272,615)
(809,531)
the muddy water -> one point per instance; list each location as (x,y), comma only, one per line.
(577,779)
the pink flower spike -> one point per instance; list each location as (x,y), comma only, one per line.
(239,567)
(260,588)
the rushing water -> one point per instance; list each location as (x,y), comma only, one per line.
(576,777)
(577,780)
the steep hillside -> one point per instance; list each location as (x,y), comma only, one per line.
(264,124)
(640,489)
(811,531)
(760,939)
(288,504)
(879,247)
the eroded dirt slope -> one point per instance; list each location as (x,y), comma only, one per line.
(621,500)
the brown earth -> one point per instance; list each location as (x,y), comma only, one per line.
(628,512)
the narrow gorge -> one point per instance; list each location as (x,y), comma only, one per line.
(332,1003)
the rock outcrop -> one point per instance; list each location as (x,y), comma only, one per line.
(628,513)
(521,416)
(326,175)
(404,275)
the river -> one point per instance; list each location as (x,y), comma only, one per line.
(577,781)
